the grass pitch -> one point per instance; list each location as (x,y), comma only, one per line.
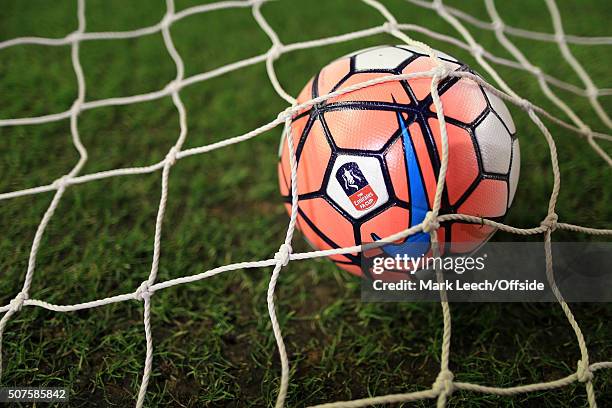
(213,341)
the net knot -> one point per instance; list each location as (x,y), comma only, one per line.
(173,86)
(587,132)
(17,303)
(559,37)
(61,182)
(430,222)
(477,49)
(592,92)
(76,107)
(444,383)
(524,104)
(283,254)
(171,156)
(166,21)
(286,114)
(275,51)
(441,71)
(536,71)
(390,26)
(73,36)
(584,372)
(498,25)
(143,292)
(550,222)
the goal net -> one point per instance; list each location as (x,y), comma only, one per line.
(445,384)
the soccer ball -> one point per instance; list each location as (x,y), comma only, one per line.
(368,160)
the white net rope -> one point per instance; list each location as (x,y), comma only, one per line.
(444,385)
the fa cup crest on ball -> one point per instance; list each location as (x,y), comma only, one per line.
(356,186)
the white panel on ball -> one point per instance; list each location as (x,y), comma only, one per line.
(500,107)
(495,144)
(439,54)
(514,170)
(381,58)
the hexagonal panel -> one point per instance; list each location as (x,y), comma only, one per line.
(462,162)
(391,221)
(487,200)
(313,160)
(330,224)
(391,92)
(332,74)
(396,164)
(464,101)
(361,129)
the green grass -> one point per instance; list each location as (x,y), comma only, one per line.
(213,342)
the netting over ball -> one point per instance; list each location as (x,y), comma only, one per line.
(386,139)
